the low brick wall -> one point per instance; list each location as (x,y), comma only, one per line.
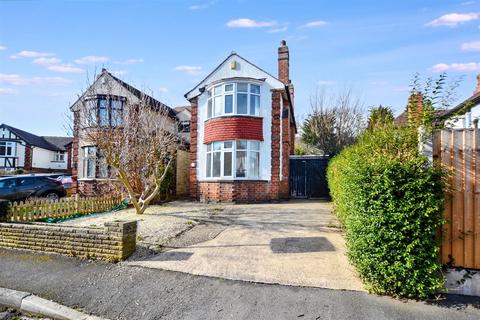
(114,242)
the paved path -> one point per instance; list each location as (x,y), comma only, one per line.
(123,292)
(292,243)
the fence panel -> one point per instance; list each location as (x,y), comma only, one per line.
(41,209)
(458,151)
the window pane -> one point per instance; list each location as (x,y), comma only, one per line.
(209,108)
(242,87)
(227,145)
(91,168)
(227,164)
(217,90)
(217,164)
(254,88)
(3,150)
(117,112)
(254,164)
(254,105)
(102,112)
(218,105)
(241,144)
(255,145)
(228,103)
(209,165)
(229,87)
(242,103)
(217,145)
(209,147)
(209,93)
(241,164)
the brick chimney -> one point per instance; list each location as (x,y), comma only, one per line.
(415,108)
(477,89)
(283,63)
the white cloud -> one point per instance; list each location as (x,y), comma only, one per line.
(7,91)
(201,5)
(275,30)
(163,90)
(119,73)
(315,24)
(467,3)
(65,68)
(326,82)
(471,46)
(249,23)
(454,19)
(46,61)
(31,54)
(456,67)
(191,70)
(91,60)
(17,80)
(3,48)
(130,61)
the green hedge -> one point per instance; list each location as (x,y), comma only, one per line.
(390,202)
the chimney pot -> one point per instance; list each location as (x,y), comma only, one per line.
(283,43)
(477,89)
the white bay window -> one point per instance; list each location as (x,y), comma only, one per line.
(233,159)
(236,98)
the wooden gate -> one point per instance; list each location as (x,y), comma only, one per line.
(458,151)
(308,177)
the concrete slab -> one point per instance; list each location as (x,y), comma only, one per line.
(294,243)
(12,298)
(36,305)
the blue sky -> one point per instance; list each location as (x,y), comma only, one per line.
(48,49)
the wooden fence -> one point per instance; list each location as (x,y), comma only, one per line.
(459,151)
(63,208)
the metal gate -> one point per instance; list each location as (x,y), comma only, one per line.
(308,177)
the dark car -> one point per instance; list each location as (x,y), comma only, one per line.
(20,188)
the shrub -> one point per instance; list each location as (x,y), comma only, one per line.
(4,206)
(390,201)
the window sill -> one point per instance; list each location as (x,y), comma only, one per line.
(233,116)
(232,180)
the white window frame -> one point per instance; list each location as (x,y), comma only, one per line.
(211,95)
(86,158)
(59,156)
(209,152)
(11,145)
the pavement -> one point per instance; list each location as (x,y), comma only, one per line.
(119,291)
(291,243)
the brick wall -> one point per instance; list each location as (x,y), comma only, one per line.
(28,157)
(234,191)
(233,128)
(97,188)
(193,148)
(275,152)
(114,242)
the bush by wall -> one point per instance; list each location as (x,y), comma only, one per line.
(390,201)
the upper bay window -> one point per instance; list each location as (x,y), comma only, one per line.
(233,159)
(236,98)
(107,111)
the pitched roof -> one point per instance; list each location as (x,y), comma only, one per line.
(59,142)
(220,65)
(182,108)
(470,102)
(33,139)
(139,94)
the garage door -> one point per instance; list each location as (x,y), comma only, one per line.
(308,177)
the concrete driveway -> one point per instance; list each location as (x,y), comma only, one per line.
(293,243)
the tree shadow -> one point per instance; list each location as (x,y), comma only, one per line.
(300,245)
(173,256)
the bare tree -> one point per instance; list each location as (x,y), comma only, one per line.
(334,122)
(135,141)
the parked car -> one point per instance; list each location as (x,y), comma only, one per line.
(20,188)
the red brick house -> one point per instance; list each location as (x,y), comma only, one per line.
(242,132)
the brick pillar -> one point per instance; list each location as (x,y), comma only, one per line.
(74,151)
(284,187)
(127,232)
(193,149)
(28,157)
(275,148)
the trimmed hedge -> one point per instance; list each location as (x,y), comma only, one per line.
(390,201)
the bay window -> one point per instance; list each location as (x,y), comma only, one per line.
(233,159)
(238,98)
(94,164)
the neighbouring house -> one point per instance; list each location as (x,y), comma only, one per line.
(184,116)
(109,94)
(40,154)
(462,116)
(242,132)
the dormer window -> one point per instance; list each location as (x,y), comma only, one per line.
(238,98)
